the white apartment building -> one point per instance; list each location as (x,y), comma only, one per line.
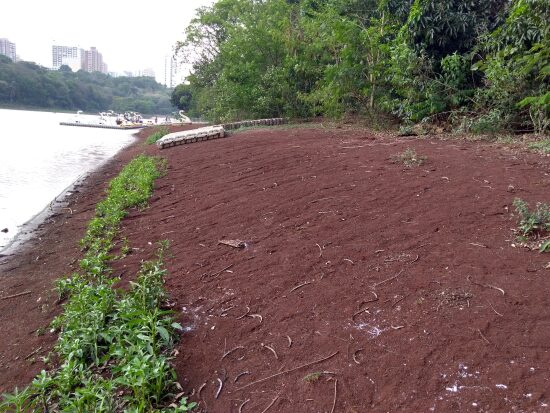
(78,59)
(7,48)
(66,55)
(173,72)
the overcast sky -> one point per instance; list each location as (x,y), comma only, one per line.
(131,35)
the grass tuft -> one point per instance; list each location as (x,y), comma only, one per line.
(409,158)
(155,136)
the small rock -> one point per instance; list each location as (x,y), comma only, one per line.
(5,230)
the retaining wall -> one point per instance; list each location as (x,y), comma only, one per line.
(212,132)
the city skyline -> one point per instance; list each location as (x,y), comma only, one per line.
(131,38)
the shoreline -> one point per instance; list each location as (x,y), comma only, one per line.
(53,208)
(46,250)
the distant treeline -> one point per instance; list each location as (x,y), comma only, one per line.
(477,65)
(25,84)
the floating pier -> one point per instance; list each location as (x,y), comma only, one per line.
(95,125)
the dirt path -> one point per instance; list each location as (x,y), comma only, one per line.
(405,280)
(408,275)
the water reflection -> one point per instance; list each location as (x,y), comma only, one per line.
(39,159)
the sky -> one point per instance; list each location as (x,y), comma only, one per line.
(131,35)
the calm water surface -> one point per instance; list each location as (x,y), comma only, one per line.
(39,159)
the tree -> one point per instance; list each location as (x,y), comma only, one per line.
(181,97)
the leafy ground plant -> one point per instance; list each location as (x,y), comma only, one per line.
(155,136)
(409,158)
(113,344)
(533,225)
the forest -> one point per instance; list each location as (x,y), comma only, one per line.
(28,85)
(474,66)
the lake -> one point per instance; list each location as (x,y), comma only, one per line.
(39,159)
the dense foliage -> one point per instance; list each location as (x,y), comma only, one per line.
(479,65)
(29,85)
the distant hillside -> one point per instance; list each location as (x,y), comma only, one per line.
(29,85)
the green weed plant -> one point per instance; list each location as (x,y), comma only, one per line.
(533,224)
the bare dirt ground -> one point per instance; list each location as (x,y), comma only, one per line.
(363,285)
(406,277)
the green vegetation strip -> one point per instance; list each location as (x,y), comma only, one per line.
(112,351)
(155,136)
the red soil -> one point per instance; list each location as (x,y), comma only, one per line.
(455,318)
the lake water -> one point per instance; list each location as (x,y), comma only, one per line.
(39,159)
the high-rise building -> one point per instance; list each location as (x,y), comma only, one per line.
(94,60)
(7,48)
(66,55)
(173,73)
(78,59)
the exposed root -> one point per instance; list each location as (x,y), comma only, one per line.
(16,295)
(288,371)
(289,341)
(359,312)
(478,245)
(271,349)
(398,301)
(355,355)
(225,310)
(372,300)
(469,277)
(33,353)
(335,395)
(493,308)
(483,337)
(270,404)
(245,314)
(244,373)
(300,286)
(228,352)
(242,405)
(220,387)
(257,316)
(388,279)
(200,389)
(216,274)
